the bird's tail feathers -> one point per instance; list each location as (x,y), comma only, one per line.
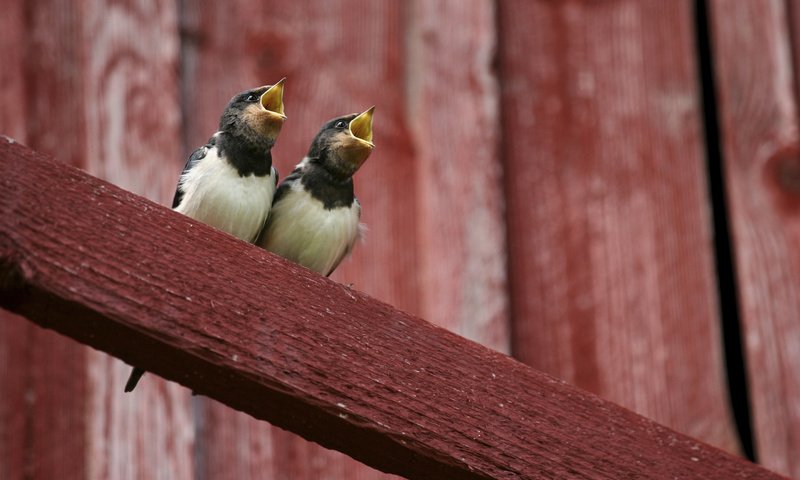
(136,374)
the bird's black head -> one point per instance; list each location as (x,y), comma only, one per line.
(343,144)
(256,115)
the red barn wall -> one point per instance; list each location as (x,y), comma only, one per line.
(612,276)
(539,185)
(758,118)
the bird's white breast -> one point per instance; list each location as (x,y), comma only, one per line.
(302,230)
(215,193)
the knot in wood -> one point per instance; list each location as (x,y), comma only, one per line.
(787,173)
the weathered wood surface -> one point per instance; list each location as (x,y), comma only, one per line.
(12,77)
(454,123)
(14,330)
(611,271)
(87,81)
(42,377)
(758,120)
(136,280)
(132,125)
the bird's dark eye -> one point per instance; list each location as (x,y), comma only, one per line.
(340,124)
(251,98)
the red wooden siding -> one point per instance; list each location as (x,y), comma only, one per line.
(14,342)
(98,82)
(612,282)
(758,118)
(47,385)
(130,60)
(453,119)
(538,186)
(12,77)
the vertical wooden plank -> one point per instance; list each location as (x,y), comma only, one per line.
(98,81)
(56,401)
(54,90)
(14,354)
(45,376)
(14,331)
(454,120)
(132,114)
(338,59)
(611,270)
(758,120)
(133,117)
(12,79)
(232,444)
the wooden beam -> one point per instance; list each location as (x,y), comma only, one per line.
(134,279)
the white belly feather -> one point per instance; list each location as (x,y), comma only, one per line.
(215,194)
(302,230)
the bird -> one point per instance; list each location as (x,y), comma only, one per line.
(229,183)
(315,215)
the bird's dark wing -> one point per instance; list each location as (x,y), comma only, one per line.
(195,157)
(286,184)
(361,229)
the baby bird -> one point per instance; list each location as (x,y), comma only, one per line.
(315,215)
(229,183)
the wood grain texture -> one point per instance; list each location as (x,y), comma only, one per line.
(132,117)
(12,76)
(53,78)
(13,330)
(42,406)
(611,270)
(232,444)
(338,59)
(132,109)
(384,386)
(13,384)
(98,82)
(454,120)
(758,120)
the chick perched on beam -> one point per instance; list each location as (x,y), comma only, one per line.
(315,215)
(229,182)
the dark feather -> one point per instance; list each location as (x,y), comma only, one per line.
(249,155)
(322,185)
(286,185)
(195,157)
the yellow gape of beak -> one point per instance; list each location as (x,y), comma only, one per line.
(361,126)
(272,99)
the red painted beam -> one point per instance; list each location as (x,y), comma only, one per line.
(126,276)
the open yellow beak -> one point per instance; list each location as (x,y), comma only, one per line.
(361,126)
(272,99)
